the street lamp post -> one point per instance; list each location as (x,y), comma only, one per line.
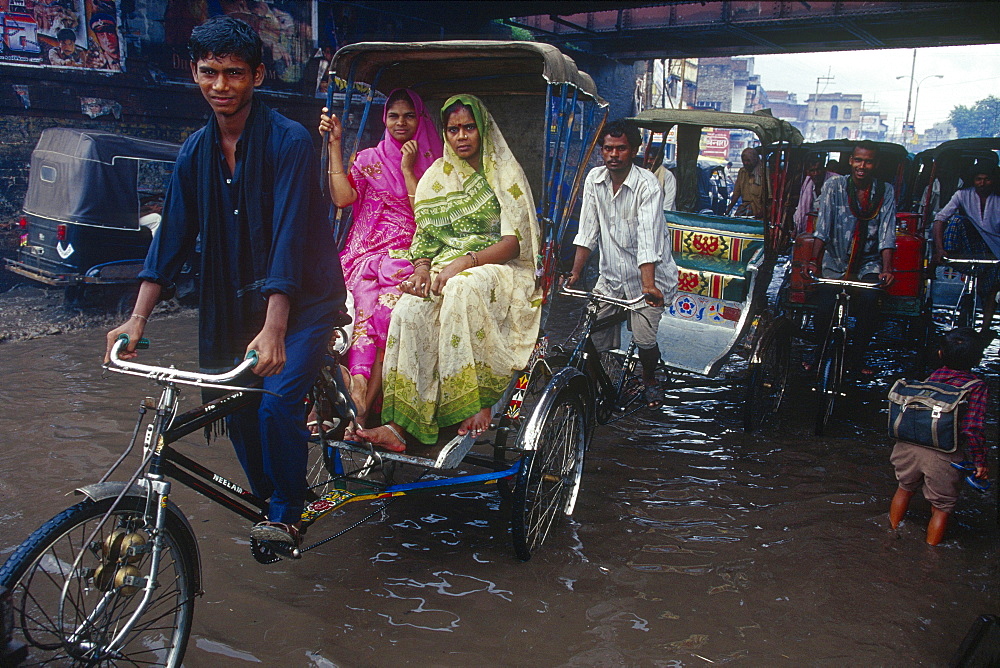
(909,93)
(916,98)
(910,97)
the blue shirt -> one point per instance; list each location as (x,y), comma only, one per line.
(303,262)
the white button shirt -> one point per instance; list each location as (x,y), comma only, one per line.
(630,228)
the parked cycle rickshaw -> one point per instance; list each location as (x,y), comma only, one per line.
(112,580)
(905,300)
(939,172)
(725,263)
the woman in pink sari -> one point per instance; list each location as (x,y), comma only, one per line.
(380,184)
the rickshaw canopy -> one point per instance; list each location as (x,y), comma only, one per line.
(942,169)
(767,128)
(90,178)
(484,67)
(970,145)
(895,151)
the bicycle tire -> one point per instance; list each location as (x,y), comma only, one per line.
(549,479)
(766,381)
(628,387)
(37,572)
(966,315)
(830,375)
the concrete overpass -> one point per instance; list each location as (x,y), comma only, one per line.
(644,30)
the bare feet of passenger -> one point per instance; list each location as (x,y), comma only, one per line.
(388,437)
(476,424)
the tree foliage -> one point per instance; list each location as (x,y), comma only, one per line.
(980,120)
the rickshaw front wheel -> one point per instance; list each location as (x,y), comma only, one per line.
(766,380)
(549,477)
(78,579)
(828,382)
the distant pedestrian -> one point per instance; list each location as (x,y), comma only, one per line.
(918,466)
(751,186)
(812,185)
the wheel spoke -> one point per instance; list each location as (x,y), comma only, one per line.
(47,618)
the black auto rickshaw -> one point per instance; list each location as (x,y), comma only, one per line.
(92,208)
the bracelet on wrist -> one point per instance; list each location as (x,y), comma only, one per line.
(140,316)
(475,258)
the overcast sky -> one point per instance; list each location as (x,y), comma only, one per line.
(970,74)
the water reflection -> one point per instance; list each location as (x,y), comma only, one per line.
(691,542)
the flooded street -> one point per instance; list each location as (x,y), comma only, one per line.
(692,544)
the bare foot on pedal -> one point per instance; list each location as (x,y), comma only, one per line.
(476,424)
(388,437)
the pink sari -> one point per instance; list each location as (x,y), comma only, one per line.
(383,222)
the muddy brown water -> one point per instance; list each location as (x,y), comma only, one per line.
(692,544)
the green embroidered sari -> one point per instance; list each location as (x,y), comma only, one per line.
(449,356)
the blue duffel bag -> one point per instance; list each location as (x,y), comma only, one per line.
(928,413)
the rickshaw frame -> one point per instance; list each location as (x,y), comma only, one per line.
(759,332)
(141,507)
(914,311)
(943,164)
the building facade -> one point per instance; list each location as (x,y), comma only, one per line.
(833,116)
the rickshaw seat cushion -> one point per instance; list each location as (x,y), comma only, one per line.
(735,242)
(710,263)
(712,253)
(738,226)
(712,284)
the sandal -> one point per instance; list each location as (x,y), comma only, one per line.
(277,532)
(653,394)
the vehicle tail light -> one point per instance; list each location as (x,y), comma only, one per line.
(23,223)
(61,233)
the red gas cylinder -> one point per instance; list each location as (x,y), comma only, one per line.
(909,257)
(802,252)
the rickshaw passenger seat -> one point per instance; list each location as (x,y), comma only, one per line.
(712,253)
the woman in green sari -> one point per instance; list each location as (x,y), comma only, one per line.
(470,313)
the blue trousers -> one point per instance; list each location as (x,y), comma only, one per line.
(270,436)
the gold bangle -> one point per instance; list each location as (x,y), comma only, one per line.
(333,173)
(138,315)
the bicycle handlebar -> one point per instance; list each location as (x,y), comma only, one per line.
(631,304)
(171,374)
(850,284)
(968,260)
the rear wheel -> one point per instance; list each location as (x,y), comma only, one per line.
(830,374)
(966,315)
(766,379)
(628,387)
(70,612)
(549,478)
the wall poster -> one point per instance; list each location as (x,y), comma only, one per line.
(285,26)
(62,33)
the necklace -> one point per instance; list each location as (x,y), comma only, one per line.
(874,200)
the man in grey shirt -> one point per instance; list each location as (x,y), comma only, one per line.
(622,213)
(856,240)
